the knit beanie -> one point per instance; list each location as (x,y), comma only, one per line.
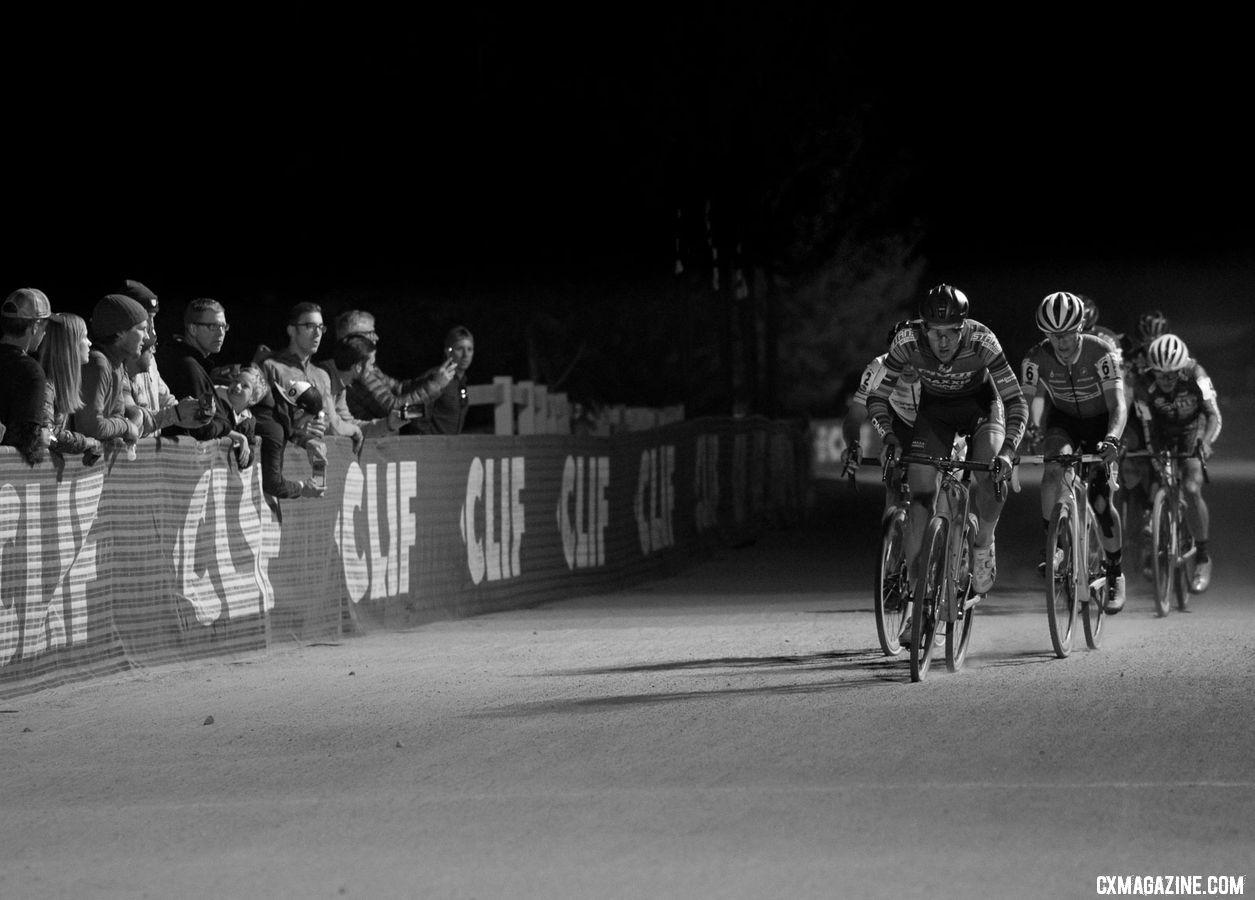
(140,294)
(115,313)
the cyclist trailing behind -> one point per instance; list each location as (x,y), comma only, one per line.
(1074,386)
(966,387)
(1177,407)
(903,403)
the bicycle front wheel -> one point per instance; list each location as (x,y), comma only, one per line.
(890,600)
(1094,600)
(1163,549)
(1184,570)
(1061,598)
(959,632)
(929,599)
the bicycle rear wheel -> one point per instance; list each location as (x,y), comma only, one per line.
(930,597)
(890,600)
(959,632)
(1094,610)
(1061,599)
(1163,549)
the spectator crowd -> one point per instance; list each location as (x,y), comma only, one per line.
(92,388)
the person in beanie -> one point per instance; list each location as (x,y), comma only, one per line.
(119,327)
(150,392)
(23,319)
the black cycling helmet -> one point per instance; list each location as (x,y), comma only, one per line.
(1151,324)
(943,305)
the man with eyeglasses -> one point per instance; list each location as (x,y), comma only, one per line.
(187,359)
(295,365)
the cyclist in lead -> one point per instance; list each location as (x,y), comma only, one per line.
(903,403)
(966,387)
(1075,390)
(1179,413)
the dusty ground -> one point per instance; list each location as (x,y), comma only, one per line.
(729,732)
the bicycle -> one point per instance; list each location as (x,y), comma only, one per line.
(1076,577)
(891,595)
(945,596)
(1172,543)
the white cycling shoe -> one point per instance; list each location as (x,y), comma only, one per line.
(1115,595)
(984,568)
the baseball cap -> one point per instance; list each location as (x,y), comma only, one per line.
(26,303)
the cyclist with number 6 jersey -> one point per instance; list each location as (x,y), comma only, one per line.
(1075,391)
(1179,413)
(966,387)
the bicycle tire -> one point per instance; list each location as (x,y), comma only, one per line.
(891,580)
(1061,593)
(1094,609)
(924,622)
(1163,550)
(1182,576)
(959,632)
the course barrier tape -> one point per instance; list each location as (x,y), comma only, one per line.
(177,554)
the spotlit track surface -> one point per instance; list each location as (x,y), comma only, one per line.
(732,731)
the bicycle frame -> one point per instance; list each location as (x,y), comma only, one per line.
(1086,585)
(1170,532)
(950,598)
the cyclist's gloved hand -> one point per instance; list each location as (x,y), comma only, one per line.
(849,459)
(1109,449)
(1004,463)
(1204,449)
(891,448)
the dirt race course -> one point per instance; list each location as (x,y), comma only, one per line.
(730,732)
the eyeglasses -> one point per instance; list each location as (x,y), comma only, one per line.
(312,326)
(222,327)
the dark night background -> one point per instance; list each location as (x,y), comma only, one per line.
(519,171)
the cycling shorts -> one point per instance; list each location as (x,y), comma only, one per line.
(940,419)
(1084,435)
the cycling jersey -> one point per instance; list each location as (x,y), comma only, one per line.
(1179,410)
(1076,388)
(978,367)
(905,396)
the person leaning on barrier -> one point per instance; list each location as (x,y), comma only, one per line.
(186,361)
(65,350)
(239,388)
(119,327)
(149,390)
(23,319)
(376,394)
(445,413)
(300,391)
(351,357)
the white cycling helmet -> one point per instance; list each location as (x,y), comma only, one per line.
(1167,353)
(1060,313)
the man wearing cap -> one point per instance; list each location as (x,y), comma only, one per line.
(23,319)
(119,327)
(375,393)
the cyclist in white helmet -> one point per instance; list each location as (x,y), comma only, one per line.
(1074,385)
(903,403)
(1179,413)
